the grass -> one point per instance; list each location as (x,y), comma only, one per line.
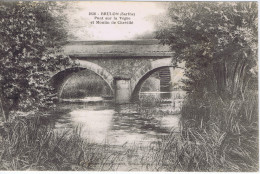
(206,151)
(220,138)
(28,145)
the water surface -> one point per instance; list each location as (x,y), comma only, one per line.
(103,122)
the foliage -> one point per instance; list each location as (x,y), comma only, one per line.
(219,48)
(31,34)
(85,84)
(211,151)
(228,142)
(218,43)
(28,144)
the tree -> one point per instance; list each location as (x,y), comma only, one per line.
(31,35)
(218,43)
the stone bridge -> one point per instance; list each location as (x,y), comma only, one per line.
(124,65)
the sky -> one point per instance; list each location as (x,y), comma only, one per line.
(144,21)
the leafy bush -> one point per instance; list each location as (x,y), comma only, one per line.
(31,35)
(218,43)
(85,84)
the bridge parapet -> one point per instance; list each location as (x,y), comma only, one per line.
(117,49)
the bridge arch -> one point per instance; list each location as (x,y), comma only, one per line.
(63,75)
(144,72)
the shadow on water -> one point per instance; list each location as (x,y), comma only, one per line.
(103,121)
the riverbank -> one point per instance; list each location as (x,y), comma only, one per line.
(28,145)
(31,144)
(39,142)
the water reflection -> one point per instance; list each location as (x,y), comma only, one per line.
(94,124)
(116,125)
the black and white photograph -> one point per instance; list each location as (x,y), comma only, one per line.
(129,86)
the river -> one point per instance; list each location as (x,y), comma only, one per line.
(104,122)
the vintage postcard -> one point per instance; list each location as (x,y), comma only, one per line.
(129,86)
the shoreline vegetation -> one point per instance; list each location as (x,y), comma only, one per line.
(219,145)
